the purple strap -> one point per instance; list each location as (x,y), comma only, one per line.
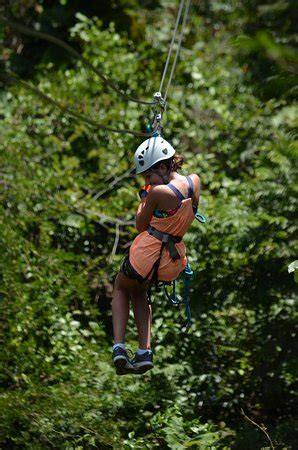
(190,187)
(178,193)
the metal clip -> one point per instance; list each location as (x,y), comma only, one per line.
(159,99)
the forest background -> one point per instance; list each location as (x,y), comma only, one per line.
(65,223)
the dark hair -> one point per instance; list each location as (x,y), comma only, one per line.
(173,164)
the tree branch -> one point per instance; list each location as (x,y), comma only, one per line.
(261,427)
(117,235)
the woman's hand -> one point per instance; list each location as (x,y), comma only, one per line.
(143,192)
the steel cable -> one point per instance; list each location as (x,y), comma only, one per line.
(171,45)
(178,47)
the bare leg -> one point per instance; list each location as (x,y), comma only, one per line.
(143,317)
(120,310)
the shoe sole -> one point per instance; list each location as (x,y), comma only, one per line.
(143,367)
(120,363)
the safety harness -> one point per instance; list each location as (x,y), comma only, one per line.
(168,241)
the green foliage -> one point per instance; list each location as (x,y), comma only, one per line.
(293,268)
(58,227)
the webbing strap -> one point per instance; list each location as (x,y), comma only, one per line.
(190,187)
(176,191)
(168,240)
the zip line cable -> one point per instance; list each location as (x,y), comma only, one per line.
(73,113)
(158,96)
(178,47)
(25,30)
(171,45)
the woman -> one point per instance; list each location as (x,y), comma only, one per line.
(167,205)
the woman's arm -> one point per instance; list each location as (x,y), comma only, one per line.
(146,210)
(197,188)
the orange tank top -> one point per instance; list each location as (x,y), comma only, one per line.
(145,249)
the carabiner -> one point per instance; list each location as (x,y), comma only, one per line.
(200,217)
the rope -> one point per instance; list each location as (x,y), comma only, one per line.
(73,113)
(178,48)
(171,45)
(25,30)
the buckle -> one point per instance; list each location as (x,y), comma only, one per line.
(165,238)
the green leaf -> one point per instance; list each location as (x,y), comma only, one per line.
(73,220)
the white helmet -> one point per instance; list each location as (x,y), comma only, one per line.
(152,151)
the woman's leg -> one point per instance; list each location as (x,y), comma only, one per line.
(120,308)
(124,289)
(143,317)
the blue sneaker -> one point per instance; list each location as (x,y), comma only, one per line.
(142,363)
(122,362)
